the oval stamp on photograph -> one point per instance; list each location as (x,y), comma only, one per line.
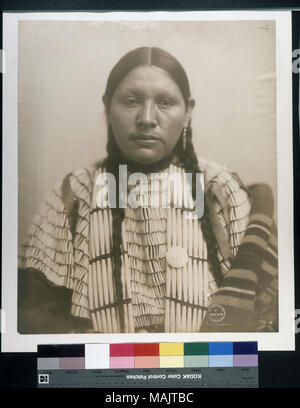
(216,313)
(177,257)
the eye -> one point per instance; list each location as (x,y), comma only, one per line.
(131,101)
(165,103)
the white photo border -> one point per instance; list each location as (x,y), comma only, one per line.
(284,339)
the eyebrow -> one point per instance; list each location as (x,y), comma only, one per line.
(140,92)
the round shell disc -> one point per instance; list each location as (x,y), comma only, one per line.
(177,257)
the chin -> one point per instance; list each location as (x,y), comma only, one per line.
(147,158)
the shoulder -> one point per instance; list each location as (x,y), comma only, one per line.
(82,178)
(79,181)
(77,184)
(210,166)
(226,191)
(217,173)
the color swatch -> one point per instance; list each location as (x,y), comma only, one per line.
(61,357)
(147,355)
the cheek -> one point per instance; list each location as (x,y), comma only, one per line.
(173,123)
(120,122)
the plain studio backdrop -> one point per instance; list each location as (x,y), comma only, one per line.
(63,68)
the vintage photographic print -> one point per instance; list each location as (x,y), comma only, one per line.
(150,179)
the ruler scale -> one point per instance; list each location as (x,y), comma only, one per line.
(148,365)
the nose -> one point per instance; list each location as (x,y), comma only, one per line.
(146,115)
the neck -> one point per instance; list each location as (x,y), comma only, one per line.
(142,167)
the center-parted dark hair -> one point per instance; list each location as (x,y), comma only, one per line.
(161,59)
(146,56)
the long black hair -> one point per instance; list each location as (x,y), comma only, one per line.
(164,60)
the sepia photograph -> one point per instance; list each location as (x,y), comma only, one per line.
(151,197)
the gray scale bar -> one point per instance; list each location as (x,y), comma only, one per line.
(209,377)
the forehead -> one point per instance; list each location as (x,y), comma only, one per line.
(148,78)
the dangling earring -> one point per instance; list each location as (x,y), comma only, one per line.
(184,138)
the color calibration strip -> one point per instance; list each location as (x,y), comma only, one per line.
(147,356)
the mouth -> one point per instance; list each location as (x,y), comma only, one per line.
(145,139)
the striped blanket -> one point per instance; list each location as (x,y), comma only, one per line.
(247,298)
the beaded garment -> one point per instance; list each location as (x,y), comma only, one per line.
(157,296)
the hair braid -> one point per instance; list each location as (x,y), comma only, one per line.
(118,214)
(190,163)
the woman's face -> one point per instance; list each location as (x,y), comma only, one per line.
(147,114)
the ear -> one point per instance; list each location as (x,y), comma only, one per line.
(188,113)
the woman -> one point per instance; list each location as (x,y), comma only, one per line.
(103,269)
